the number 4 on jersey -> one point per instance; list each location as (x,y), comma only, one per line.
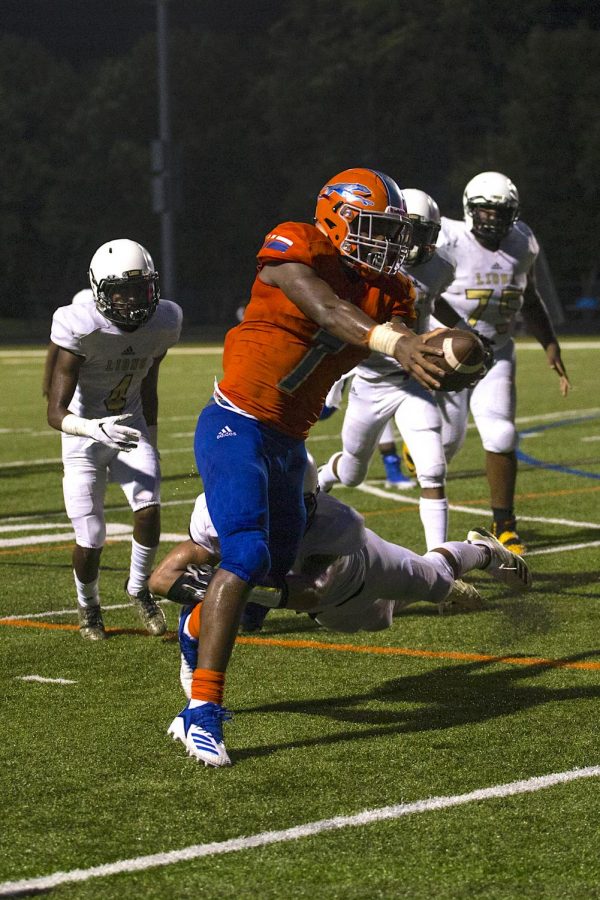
(116,400)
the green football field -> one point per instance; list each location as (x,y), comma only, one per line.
(450,756)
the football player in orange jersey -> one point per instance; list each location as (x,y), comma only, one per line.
(325,295)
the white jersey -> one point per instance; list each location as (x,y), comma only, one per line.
(373,578)
(115,362)
(429,280)
(487,290)
(336,530)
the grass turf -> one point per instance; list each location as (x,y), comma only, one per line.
(89,776)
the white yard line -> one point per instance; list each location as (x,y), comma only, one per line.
(398,497)
(124,534)
(44,680)
(34,517)
(309,829)
(114,530)
(174,351)
(217,349)
(72,611)
(520,420)
(564,548)
(57,460)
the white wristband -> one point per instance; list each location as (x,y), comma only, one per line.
(72,424)
(383,339)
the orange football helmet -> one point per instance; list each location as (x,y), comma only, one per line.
(363,214)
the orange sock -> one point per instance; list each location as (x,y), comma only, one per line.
(208,685)
(193,622)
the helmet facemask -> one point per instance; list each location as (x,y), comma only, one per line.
(491,221)
(130,301)
(424,237)
(363,213)
(491,206)
(377,241)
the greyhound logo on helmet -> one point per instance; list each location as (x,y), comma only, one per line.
(352,193)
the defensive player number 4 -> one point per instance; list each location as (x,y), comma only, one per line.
(116,400)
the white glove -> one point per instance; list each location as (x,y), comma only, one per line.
(106,431)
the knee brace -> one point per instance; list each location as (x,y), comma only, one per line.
(497,435)
(351,470)
(90,531)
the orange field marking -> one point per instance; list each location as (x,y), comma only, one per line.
(428,654)
(340,648)
(41,548)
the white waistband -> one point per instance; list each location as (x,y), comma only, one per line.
(224,402)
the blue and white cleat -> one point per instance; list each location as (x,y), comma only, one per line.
(505,565)
(200,730)
(188,647)
(394,476)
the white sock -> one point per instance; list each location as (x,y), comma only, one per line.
(194,703)
(327,478)
(434,516)
(142,560)
(87,594)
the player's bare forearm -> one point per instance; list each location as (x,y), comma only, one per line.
(535,314)
(538,323)
(62,388)
(319,302)
(175,564)
(540,326)
(555,362)
(49,364)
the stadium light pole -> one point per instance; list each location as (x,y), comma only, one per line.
(162,158)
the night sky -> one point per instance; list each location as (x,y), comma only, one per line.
(85,30)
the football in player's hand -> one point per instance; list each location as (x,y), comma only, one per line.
(463,359)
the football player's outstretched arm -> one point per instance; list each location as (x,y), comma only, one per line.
(301,284)
(171,577)
(540,326)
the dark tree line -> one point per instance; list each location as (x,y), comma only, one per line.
(431,93)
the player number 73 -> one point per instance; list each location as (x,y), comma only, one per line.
(508,304)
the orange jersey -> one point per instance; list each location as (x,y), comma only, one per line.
(279,364)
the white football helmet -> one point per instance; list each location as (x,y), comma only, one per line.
(125,283)
(424,214)
(491,205)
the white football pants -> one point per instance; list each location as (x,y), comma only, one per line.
(371,404)
(492,403)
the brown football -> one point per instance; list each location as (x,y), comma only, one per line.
(463,358)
